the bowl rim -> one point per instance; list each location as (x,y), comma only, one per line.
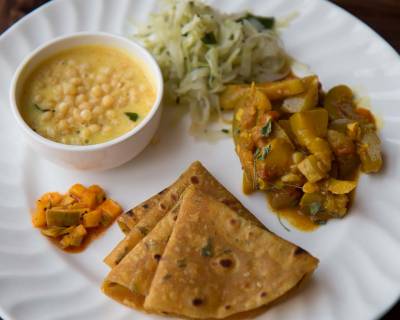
(78,148)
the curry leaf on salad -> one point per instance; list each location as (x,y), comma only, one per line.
(209,38)
(265,22)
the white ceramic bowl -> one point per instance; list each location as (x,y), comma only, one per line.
(98,156)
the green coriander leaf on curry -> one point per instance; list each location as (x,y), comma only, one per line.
(133,116)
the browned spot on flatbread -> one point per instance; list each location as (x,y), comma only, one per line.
(174,196)
(145,206)
(194,180)
(197,302)
(226,263)
(233,222)
(130,213)
(157,257)
(299,251)
(229,202)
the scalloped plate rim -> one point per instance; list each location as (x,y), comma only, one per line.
(378,37)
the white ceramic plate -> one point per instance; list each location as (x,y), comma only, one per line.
(359,273)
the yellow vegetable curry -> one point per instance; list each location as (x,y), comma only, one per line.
(301,146)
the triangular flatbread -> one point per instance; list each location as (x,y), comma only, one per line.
(135,272)
(145,216)
(197,175)
(216,263)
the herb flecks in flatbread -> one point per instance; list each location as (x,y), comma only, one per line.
(232,265)
(135,272)
(137,222)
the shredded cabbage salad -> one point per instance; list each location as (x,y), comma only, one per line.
(200,50)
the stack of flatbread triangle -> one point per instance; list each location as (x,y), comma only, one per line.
(194,251)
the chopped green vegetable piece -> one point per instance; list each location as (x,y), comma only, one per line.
(209,38)
(60,217)
(207,250)
(106,219)
(315,207)
(260,154)
(225,131)
(265,22)
(266,130)
(74,238)
(369,150)
(132,116)
(40,108)
(55,232)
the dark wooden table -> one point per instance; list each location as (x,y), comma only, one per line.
(382,15)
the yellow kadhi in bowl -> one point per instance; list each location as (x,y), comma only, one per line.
(89,101)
